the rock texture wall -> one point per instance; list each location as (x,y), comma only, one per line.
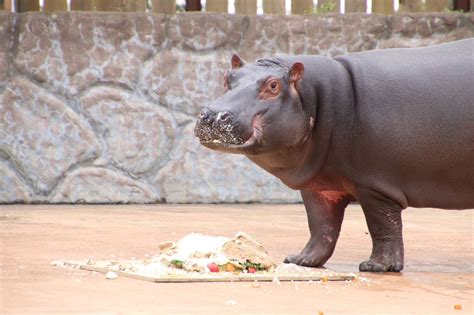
(100,107)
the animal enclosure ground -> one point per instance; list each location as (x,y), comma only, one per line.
(438,273)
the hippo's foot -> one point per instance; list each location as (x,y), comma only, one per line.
(311,256)
(305,260)
(385,265)
(387,256)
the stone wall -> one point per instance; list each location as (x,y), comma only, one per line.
(100,107)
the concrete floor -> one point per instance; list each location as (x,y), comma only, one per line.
(438,273)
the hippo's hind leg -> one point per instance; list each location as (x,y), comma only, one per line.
(384,220)
(325,213)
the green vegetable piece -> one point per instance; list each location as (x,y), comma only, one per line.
(177,263)
(248,264)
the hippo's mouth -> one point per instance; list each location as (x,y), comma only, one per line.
(229,138)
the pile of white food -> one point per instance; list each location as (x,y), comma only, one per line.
(195,250)
(194,253)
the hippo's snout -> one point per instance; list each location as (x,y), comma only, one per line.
(217,127)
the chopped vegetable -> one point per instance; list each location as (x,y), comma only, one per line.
(257,267)
(230,267)
(213,267)
(252,269)
(177,263)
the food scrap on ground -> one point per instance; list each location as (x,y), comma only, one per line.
(458,307)
(198,257)
(111,275)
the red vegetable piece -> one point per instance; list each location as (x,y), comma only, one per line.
(213,267)
(252,270)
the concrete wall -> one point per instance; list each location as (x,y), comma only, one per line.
(100,107)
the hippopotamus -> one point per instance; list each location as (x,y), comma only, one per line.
(387,128)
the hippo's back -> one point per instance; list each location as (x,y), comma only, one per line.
(414,122)
(417,72)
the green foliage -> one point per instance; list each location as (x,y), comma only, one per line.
(324,8)
(327,7)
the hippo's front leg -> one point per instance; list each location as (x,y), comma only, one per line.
(325,213)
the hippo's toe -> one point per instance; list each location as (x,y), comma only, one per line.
(374,266)
(306,260)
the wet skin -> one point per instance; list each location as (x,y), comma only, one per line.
(390,129)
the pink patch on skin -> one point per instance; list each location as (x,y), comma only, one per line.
(257,122)
(311,125)
(257,125)
(332,196)
(257,130)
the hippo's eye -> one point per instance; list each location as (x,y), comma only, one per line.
(273,86)
(270,88)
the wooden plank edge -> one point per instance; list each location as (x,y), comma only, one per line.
(218,278)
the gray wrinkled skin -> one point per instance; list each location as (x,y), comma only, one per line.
(389,128)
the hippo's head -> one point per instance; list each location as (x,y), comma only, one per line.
(260,111)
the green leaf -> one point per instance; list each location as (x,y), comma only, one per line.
(177,263)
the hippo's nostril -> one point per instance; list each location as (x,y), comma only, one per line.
(206,115)
(223,117)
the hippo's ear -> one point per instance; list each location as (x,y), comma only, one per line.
(236,62)
(296,72)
